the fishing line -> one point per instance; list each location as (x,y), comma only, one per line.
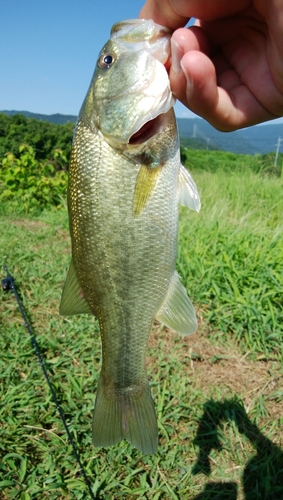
(8,284)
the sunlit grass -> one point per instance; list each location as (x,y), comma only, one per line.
(218,394)
(231,258)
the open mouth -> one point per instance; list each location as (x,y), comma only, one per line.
(148,130)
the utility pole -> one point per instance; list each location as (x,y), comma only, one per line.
(277,150)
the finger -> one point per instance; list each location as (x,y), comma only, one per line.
(176,13)
(182,41)
(211,88)
(226,108)
(164,15)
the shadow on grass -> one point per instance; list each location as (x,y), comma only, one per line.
(263,473)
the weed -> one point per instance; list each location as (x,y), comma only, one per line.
(218,394)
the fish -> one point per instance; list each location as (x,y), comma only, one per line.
(125,183)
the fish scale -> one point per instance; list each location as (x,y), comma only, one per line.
(121,259)
(123,212)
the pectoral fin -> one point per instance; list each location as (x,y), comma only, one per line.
(188,193)
(177,311)
(72,300)
(145,184)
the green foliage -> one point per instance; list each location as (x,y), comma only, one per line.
(43,136)
(214,161)
(216,439)
(232,258)
(197,143)
(218,394)
(30,185)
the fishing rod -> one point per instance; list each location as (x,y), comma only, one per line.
(8,284)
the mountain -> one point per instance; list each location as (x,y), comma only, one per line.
(57,118)
(258,139)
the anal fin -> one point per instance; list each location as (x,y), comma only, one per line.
(177,311)
(72,300)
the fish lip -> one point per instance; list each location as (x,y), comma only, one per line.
(152,123)
(149,129)
(125,28)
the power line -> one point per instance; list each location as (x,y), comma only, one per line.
(277,150)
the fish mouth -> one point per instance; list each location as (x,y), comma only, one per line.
(147,131)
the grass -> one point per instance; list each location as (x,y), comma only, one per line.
(231,258)
(218,394)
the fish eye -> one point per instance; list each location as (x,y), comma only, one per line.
(105,61)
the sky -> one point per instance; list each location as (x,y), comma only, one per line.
(49,48)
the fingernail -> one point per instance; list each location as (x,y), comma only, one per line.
(187,75)
(176,56)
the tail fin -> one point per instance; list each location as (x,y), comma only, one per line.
(126,415)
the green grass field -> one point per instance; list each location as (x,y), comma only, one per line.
(218,393)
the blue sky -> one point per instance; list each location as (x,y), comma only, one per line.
(48,50)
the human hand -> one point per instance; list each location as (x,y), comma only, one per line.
(228,67)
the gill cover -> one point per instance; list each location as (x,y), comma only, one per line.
(130,82)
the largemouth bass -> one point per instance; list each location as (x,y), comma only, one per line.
(125,182)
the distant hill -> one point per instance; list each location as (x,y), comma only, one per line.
(57,118)
(253,140)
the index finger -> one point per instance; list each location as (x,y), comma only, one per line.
(163,13)
(176,13)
